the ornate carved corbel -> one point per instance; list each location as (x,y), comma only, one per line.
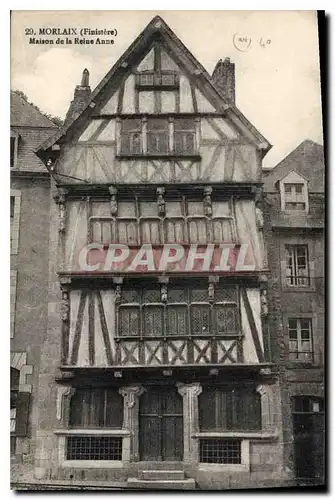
(64,394)
(264,302)
(208,209)
(65,283)
(160,200)
(211,287)
(113,202)
(118,280)
(60,199)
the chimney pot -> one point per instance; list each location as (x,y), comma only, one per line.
(224,78)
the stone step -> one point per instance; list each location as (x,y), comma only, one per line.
(156,465)
(152,475)
(176,484)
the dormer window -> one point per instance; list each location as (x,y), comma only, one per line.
(294,197)
(294,193)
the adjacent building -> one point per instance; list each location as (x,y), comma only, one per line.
(294,231)
(29,249)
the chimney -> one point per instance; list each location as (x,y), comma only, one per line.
(82,94)
(224,78)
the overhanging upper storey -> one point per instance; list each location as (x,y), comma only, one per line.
(156,117)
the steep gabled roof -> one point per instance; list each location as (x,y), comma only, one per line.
(158,30)
(307,160)
(24,114)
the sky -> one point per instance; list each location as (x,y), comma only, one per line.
(275,54)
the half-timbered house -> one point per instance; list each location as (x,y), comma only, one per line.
(157,363)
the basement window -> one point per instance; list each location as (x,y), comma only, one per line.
(93,448)
(220,451)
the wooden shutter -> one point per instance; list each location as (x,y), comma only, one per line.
(22,413)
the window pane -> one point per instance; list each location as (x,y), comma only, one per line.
(167,79)
(184,124)
(292,323)
(146,79)
(153,321)
(129,322)
(157,142)
(298,188)
(225,317)
(150,231)
(222,230)
(130,125)
(288,188)
(305,324)
(197,231)
(200,320)
(157,124)
(127,232)
(176,320)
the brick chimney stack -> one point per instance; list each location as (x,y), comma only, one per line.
(82,94)
(224,78)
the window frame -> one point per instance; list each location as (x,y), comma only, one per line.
(189,304)
(166,225)
(157,80)
(299,340)
(298,281)
(169,133)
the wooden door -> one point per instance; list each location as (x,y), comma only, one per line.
(161,424)
(308,434)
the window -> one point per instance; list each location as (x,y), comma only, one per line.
(187,312)
(164,80)
(220,451)
(138,222)
(184,136)
(158,137)
(297,270)
(229,409)
(93,448)
(19,408)
(94,408)
(300,339)
(307,404)
(131,136)
(295,196)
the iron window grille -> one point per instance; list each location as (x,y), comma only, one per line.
(183,223)
(187,312)
(94,448)
(300,339)
(297,269)
(220,451)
